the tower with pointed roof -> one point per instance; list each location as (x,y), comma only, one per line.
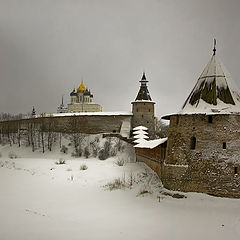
(61,108)
(33,114)
(82,101)
(203,145)
(143,109)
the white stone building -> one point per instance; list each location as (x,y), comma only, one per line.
(82,101)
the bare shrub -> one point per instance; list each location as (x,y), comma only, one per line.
(143,192)
(73,154)
(116,184)
(78,140)
(86,152)
(131,180)
(83,167)
(64,149)
(103,155)
(12,155)
(60,161)
(120,162)
(94,146)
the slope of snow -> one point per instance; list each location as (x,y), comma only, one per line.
(42,200)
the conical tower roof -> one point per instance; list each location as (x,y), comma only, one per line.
(143,93)
(213,92)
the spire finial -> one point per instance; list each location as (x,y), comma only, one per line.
(214,47)
(143,76)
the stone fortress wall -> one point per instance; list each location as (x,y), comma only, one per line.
(89,124)
(203,154)
(144,115)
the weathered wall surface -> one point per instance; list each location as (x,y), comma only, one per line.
(69,124)
(152,157)
(205,166)
(143,115)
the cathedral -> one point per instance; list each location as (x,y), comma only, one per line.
(81,101)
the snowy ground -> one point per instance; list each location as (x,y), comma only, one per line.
(42,200)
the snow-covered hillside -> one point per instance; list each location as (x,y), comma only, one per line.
(43,200)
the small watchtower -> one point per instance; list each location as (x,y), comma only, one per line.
(143,109)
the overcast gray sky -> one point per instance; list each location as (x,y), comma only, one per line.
(48,46)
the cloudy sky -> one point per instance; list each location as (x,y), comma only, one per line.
(48,46)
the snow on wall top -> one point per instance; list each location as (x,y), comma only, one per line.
(151,144)
(213,92)
(92,114)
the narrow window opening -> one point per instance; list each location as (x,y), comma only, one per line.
(149,110)
(193,143)
(235,170)
(142,116)
(137,109)
(114,131)
(224,145)
(210,119)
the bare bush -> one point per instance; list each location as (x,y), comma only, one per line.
(120,162)
(83,167)
(86,152)
(103,155)
(64,149)
(116,184)
(12,155)
(60,161)
(94,146)
(143,192)
(131,180)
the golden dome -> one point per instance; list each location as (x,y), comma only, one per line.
(81,88)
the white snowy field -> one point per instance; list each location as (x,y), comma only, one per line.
(42,200)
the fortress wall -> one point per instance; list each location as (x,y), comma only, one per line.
(68,124)
(209,168)
(153,158)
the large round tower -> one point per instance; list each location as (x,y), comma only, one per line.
(143,109)
(203,149)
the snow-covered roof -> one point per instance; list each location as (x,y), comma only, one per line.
(92,114)
(139,136)
(139,140)
(143,93)
(140,128)
(212,94)
(140,132)
(151,144)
